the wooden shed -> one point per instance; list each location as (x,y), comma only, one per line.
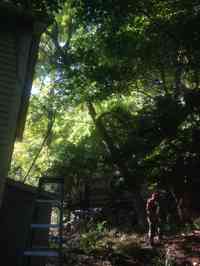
(15,219)
(20,31)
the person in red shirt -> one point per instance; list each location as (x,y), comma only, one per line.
(153,217)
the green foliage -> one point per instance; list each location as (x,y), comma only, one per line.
(197,224)
(89,240)
(159,260)
(147,39)
(137,63)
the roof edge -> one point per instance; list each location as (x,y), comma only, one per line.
(23,14)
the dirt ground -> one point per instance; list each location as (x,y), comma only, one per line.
(120,249)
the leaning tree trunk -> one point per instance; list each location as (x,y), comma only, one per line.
(138,201)
(114,152)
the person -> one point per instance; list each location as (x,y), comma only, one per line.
(153,217)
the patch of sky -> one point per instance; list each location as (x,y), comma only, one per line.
(36,88)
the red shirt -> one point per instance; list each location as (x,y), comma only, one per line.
(152,207)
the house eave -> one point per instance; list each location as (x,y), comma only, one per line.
(11,12)
(16,17)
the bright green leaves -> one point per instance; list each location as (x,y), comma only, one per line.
(137,63)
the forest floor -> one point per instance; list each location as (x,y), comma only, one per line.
(184,249)
(131,249)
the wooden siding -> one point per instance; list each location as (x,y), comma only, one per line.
(7,96)
(19,38)
(15,49)
(18,50)
(8,78)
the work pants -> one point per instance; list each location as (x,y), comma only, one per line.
(154,229)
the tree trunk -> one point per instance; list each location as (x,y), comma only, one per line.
(114,154)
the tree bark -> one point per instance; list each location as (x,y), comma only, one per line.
(114,154)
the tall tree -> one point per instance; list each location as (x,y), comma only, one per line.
(146,51)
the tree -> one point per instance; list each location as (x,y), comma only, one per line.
(145,55)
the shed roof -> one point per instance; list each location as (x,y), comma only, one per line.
(27,188)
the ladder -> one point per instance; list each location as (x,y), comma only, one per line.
(35,253)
